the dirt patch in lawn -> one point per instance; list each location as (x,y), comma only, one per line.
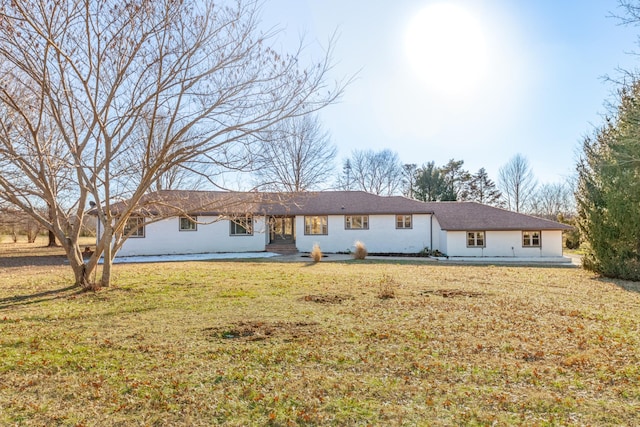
(452,293)
(327,299)
(259,330)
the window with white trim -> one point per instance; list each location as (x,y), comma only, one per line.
(188,223)
(316,225)
(475,239)
(241,226)
(356,222)
(531,239)
(135,226)
(403,221)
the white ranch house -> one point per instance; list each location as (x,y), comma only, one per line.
(187,222)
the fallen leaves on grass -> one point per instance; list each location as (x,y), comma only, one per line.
(283,344)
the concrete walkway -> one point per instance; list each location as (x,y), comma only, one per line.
(566,261)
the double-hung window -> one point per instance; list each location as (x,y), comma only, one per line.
(475,239)
(356,222)
(403,221)
(315,225)
(531,239)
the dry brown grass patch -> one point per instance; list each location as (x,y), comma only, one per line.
(261,330)
(387,287)
(451,293)
(327,299)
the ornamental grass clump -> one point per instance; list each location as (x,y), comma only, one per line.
(361,250)
(316,253)
(388,285)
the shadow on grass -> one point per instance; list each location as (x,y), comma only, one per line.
(21,300)
(32,261)
(427,264)
(627,285)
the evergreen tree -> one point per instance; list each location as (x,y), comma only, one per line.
(430,185)
(608,194)
(456,180)
(482,189)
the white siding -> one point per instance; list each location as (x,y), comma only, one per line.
(439,237)
(381,237)
(164,237)
(504,244)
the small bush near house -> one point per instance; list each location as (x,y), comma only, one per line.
(316,253)
(361,250)
(572,239)
(431,253)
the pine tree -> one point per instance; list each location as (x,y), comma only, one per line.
(482,189)
(608,194)
(456,180)
(430,184)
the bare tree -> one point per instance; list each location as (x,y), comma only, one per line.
(80,78)
(517,183)
(374,172)
(297,155)
(409,173)
(191,175)
(552,200)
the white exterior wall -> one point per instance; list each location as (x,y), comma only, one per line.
(439,237)
(504,244)
(381,237)
(164,237)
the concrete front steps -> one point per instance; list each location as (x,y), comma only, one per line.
(282,248)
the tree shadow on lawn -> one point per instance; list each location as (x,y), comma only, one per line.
(32,261)
(21,300)
(627,285)
(457,264)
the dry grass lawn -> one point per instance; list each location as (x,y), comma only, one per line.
(355,343)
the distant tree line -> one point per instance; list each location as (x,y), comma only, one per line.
(383,173)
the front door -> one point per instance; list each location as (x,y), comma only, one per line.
(282,229)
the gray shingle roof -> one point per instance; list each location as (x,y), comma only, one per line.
(176,202)
(451,215)
(345,203)
(462,216)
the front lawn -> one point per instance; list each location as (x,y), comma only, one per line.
(355,343)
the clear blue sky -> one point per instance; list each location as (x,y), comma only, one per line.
(526,76)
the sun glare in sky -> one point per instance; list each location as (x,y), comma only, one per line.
(446,48)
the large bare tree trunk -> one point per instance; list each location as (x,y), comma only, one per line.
(81,273)
(107,263)
(52,235)
(101,100)
(52,239)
